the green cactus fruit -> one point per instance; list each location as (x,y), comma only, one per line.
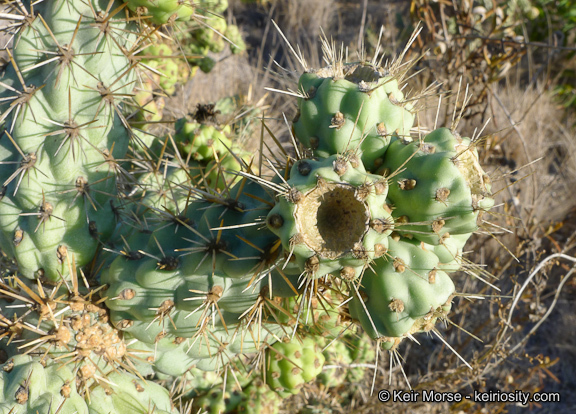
(208,33)
(208,144)
(150,105)
(211,34)
(333,217)
(193,51)
(164,68)
(217,400)
(202,142)
(233,34)
(439,185)
(227,105)
(351,107)
(215,6)
(337,359)
(258,398)
(162,11)
(206,64)
(292,363)
(62,106)
(402,293)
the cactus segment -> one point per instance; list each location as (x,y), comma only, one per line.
(291,364)
(204,142)
(33,386)
(442,188)
(403,293)
(130,394)
(29,386)
(351,107)
(62,134)
(191,279)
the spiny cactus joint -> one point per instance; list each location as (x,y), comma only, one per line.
(170,257)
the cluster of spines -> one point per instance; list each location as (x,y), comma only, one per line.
(63,333)
(195,282)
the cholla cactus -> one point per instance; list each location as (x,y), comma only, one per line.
(383,214)
(184,256)
(64,128)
